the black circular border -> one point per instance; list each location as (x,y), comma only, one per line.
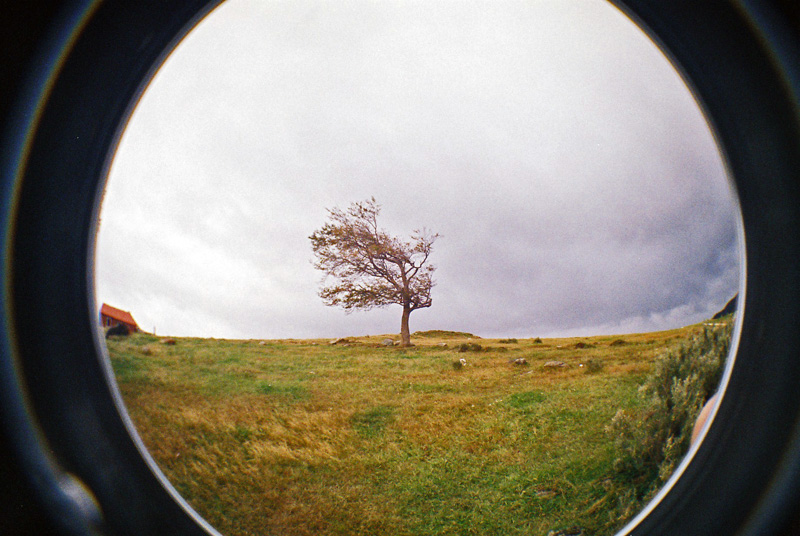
(67,452)
(741,59)
(77,461)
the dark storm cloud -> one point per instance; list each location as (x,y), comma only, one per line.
(572,177)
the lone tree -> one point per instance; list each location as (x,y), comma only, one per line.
(370,267)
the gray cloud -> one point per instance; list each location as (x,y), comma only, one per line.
(573,178)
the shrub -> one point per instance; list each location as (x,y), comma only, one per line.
(508,341)
(470,347)
(537,340)
(593,366)
(651,447)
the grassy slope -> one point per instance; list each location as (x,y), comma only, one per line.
(303,437)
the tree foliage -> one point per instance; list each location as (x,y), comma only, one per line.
(369,267)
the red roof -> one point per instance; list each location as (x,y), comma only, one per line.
(117,314)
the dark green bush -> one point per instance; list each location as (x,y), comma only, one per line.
(652,444)
(593,366)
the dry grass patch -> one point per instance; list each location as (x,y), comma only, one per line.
(304,437)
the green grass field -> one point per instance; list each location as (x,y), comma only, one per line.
(302,437)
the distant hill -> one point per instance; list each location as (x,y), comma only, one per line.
(445,334)
(729,308)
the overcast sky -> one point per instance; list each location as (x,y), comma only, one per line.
(575,183)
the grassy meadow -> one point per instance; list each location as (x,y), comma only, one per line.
(302,437)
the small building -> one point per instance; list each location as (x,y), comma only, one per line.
(111,316)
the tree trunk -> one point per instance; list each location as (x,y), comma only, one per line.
(405,334)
